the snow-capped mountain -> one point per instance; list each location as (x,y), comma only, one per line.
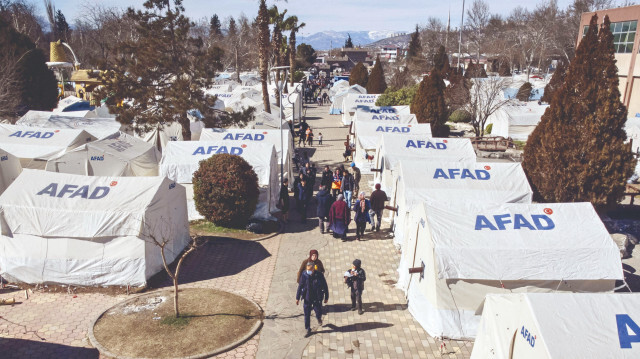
(326,39)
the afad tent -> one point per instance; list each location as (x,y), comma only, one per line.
(338,98)
(366,113)
(10,169)
(34,145)
(444,182)
(392,148)
(89,231)
(98,127)
(466,250)
(516,121)
(271,137)
(352,101)
(367,136)
(559,325)
(160,135)
(119,155)
(181,159)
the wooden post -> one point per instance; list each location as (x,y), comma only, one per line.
(415,270)
(394,209)
(376,170)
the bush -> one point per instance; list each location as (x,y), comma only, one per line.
(460,116)
(524,93)
(225,189)
(393,97)
(488,128)
(297,76)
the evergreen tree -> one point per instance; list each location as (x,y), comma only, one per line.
(160,73)
(504,70)
(37,87)
(441,62)
(554,84)
(61,27)
(415,46)
(359,75)
(215,27)
(348,44)
(429,104)
(263,52)
(232,32)
(577,151)
(306,55)
(291,24)
(524,92)
(376,83)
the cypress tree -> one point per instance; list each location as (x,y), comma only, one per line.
(577,151)
(376,83)
(524,93)
(554,84)
(215,27)
(348,43)
(429,104)
(359,75)
(441,62)
(415,46)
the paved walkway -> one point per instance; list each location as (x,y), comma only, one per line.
(385,330)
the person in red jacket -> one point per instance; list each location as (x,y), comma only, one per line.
(339,218)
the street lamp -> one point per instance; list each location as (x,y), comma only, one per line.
(280,82)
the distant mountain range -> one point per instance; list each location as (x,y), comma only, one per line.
(397,41)
(326,40)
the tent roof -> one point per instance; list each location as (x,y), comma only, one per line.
(368,132)
(270,137)
(515,241)
(398,110)
(64,205)
(395,147)
(36,142)
(354,100)
(98,127)
(121,145)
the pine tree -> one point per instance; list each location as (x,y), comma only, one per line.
(524,92)
(441,62)
(160,73)
(359,75)
(554,84)
(577,151)
(215,27)
(415,46)
(376,83)
(429,104)
(504,70)
(263,52)
(348,44)
(62,27)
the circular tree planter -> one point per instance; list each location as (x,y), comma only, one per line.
(211,322)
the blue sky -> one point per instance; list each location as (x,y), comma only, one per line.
(319,15)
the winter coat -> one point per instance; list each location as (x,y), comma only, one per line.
(312,288)
(378,197)
(357,282)
(304,193)
(348,184)
(303,267)
(284,197)
(360,216)
(327,178)
(356,175)
(339,211)
(325,201)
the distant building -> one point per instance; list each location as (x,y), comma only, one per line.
(624,26)
(391,53)
(348,59)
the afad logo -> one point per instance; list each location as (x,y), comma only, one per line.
(383,110)
(625,325)
(97,158)
(244,136)
(75,191)
(172,185)
(33,134)
(385,118)
(218,149)
(465,173)
(427,144)
(539,222)
(392,129)
(4,158)
(530,338)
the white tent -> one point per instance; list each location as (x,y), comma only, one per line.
(467,250)
(160,135)
(633,134)
(271,137)
(34,145)
(516,121)
(265,120)
(367,136)
(559,325)
(352,101)
(98,127)
(338,98)
(181,159)
(443,182)
(10,169)
(392,148)
(119,155)
(338,86)
(80,230)
(387,113)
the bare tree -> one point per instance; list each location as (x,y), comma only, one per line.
(486,98)
(9,86)
(478,17)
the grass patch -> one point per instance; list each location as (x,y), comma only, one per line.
(205,226)
(519,144)
(181,321)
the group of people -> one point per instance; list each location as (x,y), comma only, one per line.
(314,291)
(306,135)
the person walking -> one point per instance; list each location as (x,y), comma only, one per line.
(284,200)
(378,198)
(304,196)
(310,172)
(336,183)
(357,175)
(355,277)
(324,200)
(339,218)
(361,216)
(347,186)
(312,289)
(310,138)
(317,264)
(319,138)
(327,178)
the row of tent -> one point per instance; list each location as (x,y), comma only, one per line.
(479,259)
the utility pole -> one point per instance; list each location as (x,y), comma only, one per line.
(460,39)
(446,39)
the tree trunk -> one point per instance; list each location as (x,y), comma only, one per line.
(237,68)
(292,56)
(263,44)
(175,297)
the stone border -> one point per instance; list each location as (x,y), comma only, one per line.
(271,235)
(103,351)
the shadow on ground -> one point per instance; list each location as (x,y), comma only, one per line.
(358,327)
(23,348)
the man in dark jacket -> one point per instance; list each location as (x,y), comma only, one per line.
(355,278)
(327,178)
(347,186)
(305,192)
(324,200)
(312,289)
(377,199)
